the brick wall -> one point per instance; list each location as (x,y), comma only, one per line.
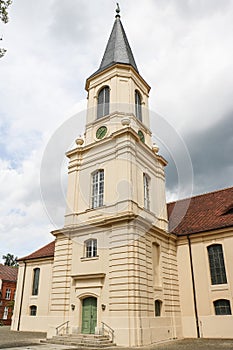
(7,301)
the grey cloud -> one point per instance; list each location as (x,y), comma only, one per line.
(211,155)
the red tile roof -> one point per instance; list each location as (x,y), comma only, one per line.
(44,252)
(204,212)
(8,273)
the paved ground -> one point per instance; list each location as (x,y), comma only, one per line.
(31,341)
(24,340)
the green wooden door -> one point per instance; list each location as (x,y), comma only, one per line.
(89,315)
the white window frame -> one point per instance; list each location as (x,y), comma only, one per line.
(91,248)
(5,313)
(97,189)
(8,294)
(146,191)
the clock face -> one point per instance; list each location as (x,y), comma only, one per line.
(101,132)
(141,135)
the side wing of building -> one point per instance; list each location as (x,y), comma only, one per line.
(204,255)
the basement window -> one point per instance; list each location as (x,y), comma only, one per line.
(33,310)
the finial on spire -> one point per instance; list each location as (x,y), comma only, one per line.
(118,10)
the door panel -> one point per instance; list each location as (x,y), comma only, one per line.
(89,315)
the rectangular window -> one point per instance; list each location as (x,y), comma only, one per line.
(222,307)
(146,192)
(217,265)
(35,285)
(91,248)
(97,189)
(8,294)
(5,314)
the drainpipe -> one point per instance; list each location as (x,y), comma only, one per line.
(22,292)
(193,285)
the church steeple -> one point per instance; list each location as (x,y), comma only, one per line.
(118,49)
(117,90)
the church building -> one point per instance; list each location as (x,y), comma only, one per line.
(115,269)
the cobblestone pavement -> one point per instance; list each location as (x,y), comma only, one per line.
(31,341)
(25,340)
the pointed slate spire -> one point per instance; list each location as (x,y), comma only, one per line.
(118,49)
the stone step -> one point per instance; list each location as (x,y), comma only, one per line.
(82,341)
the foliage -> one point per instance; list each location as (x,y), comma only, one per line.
(10,260)
(4,4)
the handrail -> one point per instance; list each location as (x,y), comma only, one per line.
(109,330)
(57,328)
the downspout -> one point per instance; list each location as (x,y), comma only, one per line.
(194,288)
(22,292)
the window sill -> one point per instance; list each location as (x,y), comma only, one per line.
(216,287)
(90,258)
(96,208)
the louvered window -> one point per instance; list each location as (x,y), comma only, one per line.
(146,192)
(103,102)
(138,105)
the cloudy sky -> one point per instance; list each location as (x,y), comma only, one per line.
(183,49)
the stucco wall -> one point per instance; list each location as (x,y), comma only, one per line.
(210,325)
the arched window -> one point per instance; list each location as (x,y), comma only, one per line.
(97,188)
(138,105)
(146,181)
(103,102)
(222,307)
(91,248)
(217,266)
(35,285)
(33,310)
(158,308)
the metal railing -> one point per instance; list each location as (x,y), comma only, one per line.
(62,328)
(107,330)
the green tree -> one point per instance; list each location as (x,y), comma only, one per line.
(10,260)
(4,4)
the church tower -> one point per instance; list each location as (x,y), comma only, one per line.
(115,262)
